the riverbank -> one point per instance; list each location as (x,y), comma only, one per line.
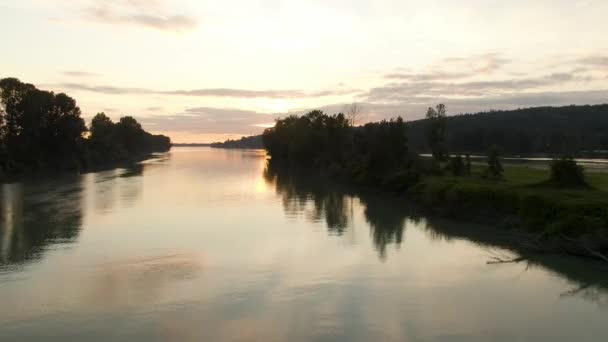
(545,218)
(51,173)
(534,217)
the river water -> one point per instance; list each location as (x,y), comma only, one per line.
(211,245)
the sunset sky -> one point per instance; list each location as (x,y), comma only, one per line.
(203,71)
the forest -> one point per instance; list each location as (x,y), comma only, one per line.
(252,142)
(580,131)
(41,131)
(574,130)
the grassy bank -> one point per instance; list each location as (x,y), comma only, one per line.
(574,220)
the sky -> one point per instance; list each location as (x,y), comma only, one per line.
(202,71)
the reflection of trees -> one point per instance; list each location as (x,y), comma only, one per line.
(386,220)
(127,181)
(386,215)
(34,215)
(588,278)
(332,204)
(298,191)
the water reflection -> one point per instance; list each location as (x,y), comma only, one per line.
(385,215)
(34,215)
(588,278)
(37,215)
(389,216)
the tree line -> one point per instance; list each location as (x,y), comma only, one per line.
(573,130)
(44,131)
(381,152)
(371,153)
(550,131)
(252,142)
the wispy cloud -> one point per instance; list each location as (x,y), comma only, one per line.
(149,14)
(80,73)
(484,63)
(456,68)
(207,92)
(212,120)
(597,61)
(431,76)
(399,91)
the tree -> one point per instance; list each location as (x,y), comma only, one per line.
(436,129)
(566,172)
(42,131)
(495,169)
(354,114)
(456,166)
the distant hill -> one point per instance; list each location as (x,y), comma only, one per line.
(252,142)
(539,130)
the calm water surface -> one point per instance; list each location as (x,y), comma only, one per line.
(210,245)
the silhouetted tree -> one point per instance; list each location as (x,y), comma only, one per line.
(41,130)
(456,166)
(367,153)
(436,131)
(354,113)
(495,169)
(566,172)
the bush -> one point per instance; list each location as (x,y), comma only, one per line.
(566,172)
(456,166)
(495,169)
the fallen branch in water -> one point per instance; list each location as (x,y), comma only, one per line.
(496,260)
(591,252)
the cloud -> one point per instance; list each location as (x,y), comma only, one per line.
(484,63)
(466,67)
(433,76)
(149,14)
(79,73)
(410,91)
(154,109)
(211,120)
(597,61)
(207,92)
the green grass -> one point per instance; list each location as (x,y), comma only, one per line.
(525,195)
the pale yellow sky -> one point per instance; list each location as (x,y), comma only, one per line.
(208,70)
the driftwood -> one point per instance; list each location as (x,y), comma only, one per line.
(497,260)
(533,243)
(589,251)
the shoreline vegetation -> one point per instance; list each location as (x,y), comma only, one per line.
(253,142)
(43,133)
(561,209)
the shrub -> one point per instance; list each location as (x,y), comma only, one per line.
(456,166)
(495,169)
(566,172)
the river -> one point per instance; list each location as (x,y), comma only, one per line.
(205,244)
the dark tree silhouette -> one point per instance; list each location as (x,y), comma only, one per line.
(436,131)
(44,131)
(566,172)
(366,154)
(573,130)
(495,169)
